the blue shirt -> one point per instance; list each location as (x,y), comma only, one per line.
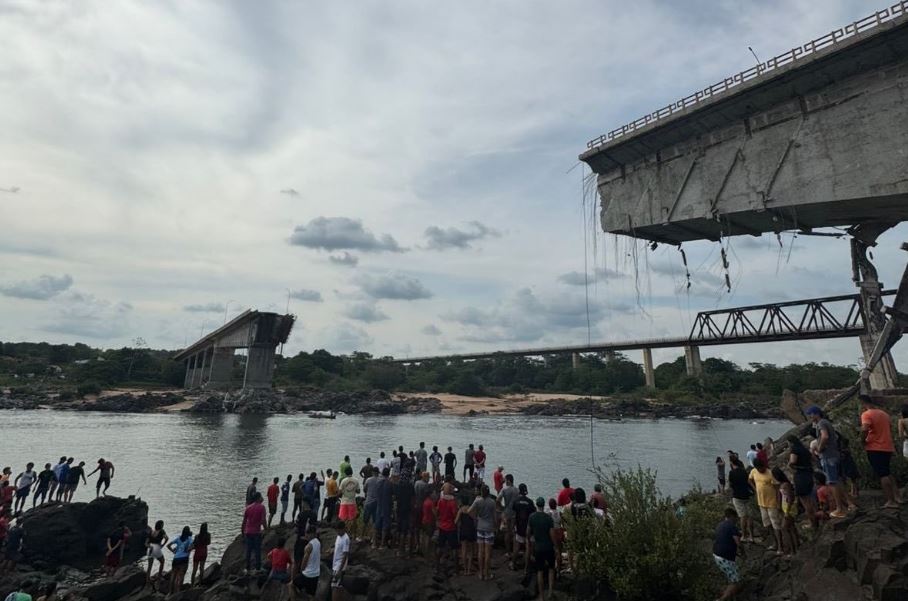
(285,492)
(181,547)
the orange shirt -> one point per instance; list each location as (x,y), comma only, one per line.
(879,434)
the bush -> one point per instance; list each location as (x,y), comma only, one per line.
(86,388)
(646,551)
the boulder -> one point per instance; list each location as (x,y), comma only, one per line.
(130,403)
(126,580)
(212,574)
(75,534)
(210,404)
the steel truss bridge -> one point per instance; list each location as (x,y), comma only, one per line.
(809,319)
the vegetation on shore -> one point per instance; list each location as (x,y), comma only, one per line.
(79,369)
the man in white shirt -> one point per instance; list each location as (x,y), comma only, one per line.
(751,455)
(382,463)
(339,562)
(309,565)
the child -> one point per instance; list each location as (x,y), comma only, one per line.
(825,500)
(789,510)
(768,500)
(720,473)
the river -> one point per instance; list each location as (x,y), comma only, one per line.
(193,468)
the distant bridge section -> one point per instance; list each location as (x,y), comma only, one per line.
(812,138)
(809,319)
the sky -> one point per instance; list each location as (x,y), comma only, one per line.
(402,176)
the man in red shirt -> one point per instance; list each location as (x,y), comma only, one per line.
(498,479)
(253,524)
(876,431)
(279,558)
(273,492)
(446,511)
(566,494)
(479,461)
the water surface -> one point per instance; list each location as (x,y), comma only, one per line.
(194,468)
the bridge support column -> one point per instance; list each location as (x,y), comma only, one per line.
(692,361)
(199,371)
(259,367)
(190,366)
(221,368)
(575,360)
(610,356)
(648,371)
(864,274)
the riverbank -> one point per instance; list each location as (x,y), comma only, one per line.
(379,402)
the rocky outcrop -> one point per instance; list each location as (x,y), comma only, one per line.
(75,534)
(644,408)
(129,403)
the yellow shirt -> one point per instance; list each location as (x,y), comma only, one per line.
(766,488)
(331,488)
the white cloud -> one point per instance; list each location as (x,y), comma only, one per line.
(345,259)
(451,237)
(205,308)
(365,312)
(305,294)
(339,233)
(395,286)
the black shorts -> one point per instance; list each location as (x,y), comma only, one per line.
(803,483)
(545,560)
(105,480)
(305,583)
(448,539)
(181,562)
(879,461)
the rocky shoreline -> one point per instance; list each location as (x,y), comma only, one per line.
(375,402)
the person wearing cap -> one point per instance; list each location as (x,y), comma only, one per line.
(876,432)
(828,451)
(541,543)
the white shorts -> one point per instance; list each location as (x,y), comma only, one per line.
(771,517)
(155,551)
(905,448)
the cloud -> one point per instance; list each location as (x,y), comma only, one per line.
(345,338)
(393,286)
(452,237)
(40,288)
(305,294)
(345,259)
(290,192)
(338,233)
(524,317)
(577,278)
(430,330)
(87,316)
(365,312)
(11,190)
(206,308)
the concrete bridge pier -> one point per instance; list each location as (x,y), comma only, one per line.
(575,360)
(259,366)
(221,368)
(692,361)
(648,371)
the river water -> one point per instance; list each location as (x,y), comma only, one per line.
(193,468)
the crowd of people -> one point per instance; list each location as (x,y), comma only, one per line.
(412,504)
(806,486)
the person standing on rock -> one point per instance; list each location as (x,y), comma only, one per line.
(343,467)
(253,524)
(116,542)
(251,491)
(469,464)
(23,484)
(741,494)
(274,491)
(72,480)
(341,556)
(726,547)
(285,497)
(311,494)
(297,496)
(106,472)
(7,492)
(466,534)
(523,508)
(541,530)
(307,564)
(800,460)
(505,504)
(435,459)
(876,432)
(828,451)
(200,554)
(768,500)
(12,547)
(384,504)
(63,479)
(331,495)
(45,478)
(446,517)
(155,543)
(366,471)
(479,460)
(903,430)
(59,479)
(450,464)
(180,547)
(498,479)
(349,488)
(382,463)
(370,506)
(422,459)
(720,473)
(565,494)
(483,511)
(751,455)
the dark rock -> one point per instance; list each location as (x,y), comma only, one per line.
(212,574)
(126,580)
(130,403)
(187,594)
(209,404)
(75,534)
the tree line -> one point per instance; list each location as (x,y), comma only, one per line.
(25,363)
